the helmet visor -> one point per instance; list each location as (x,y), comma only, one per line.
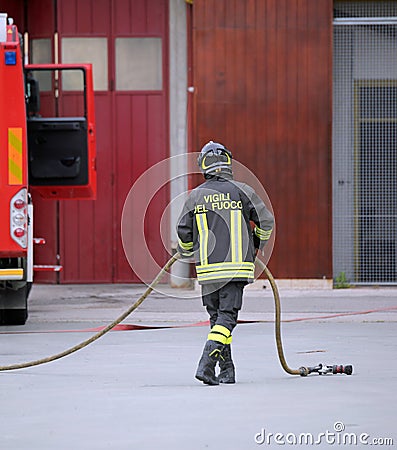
(216,156)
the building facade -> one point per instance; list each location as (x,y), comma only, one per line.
(303,93)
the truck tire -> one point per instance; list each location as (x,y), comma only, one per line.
(14,304)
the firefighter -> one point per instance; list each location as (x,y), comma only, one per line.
(215,227)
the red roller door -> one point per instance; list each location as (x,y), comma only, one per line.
(132,134)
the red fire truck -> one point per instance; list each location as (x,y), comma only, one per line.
(43,149)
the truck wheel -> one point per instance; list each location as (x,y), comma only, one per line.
(14,305)
(15,316)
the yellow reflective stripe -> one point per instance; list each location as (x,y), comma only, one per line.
(227,265)
(227,270)
(219,333)
(239,237)
(229,275)
(229,340)
(216,352)
(221,329)
(14,172)
(15,163)
(185,245)
(263,235)
(202,225)
(235,235)
(11,272)
(217,337)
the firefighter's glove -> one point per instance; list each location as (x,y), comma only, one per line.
(257,241)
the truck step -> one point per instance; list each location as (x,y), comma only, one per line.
(11,274)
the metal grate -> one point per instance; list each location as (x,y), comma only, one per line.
(365,142)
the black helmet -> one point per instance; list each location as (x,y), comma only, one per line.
(215,157)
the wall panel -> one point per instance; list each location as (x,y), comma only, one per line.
(132,134)
(14,9)
(262,73)
(40,24)
(141,120)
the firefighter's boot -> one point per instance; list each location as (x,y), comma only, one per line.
(227,373)
(206,367)
(211,355)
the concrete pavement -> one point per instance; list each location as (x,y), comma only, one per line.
(136,389)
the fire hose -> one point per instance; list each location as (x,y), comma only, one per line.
(302,371)
(96,336)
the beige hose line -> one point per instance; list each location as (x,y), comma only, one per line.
(104,330)
(277,322)
(141,299)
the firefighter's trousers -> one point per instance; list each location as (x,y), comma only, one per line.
(223,302)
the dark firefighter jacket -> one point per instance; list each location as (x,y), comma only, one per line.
(215,225)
